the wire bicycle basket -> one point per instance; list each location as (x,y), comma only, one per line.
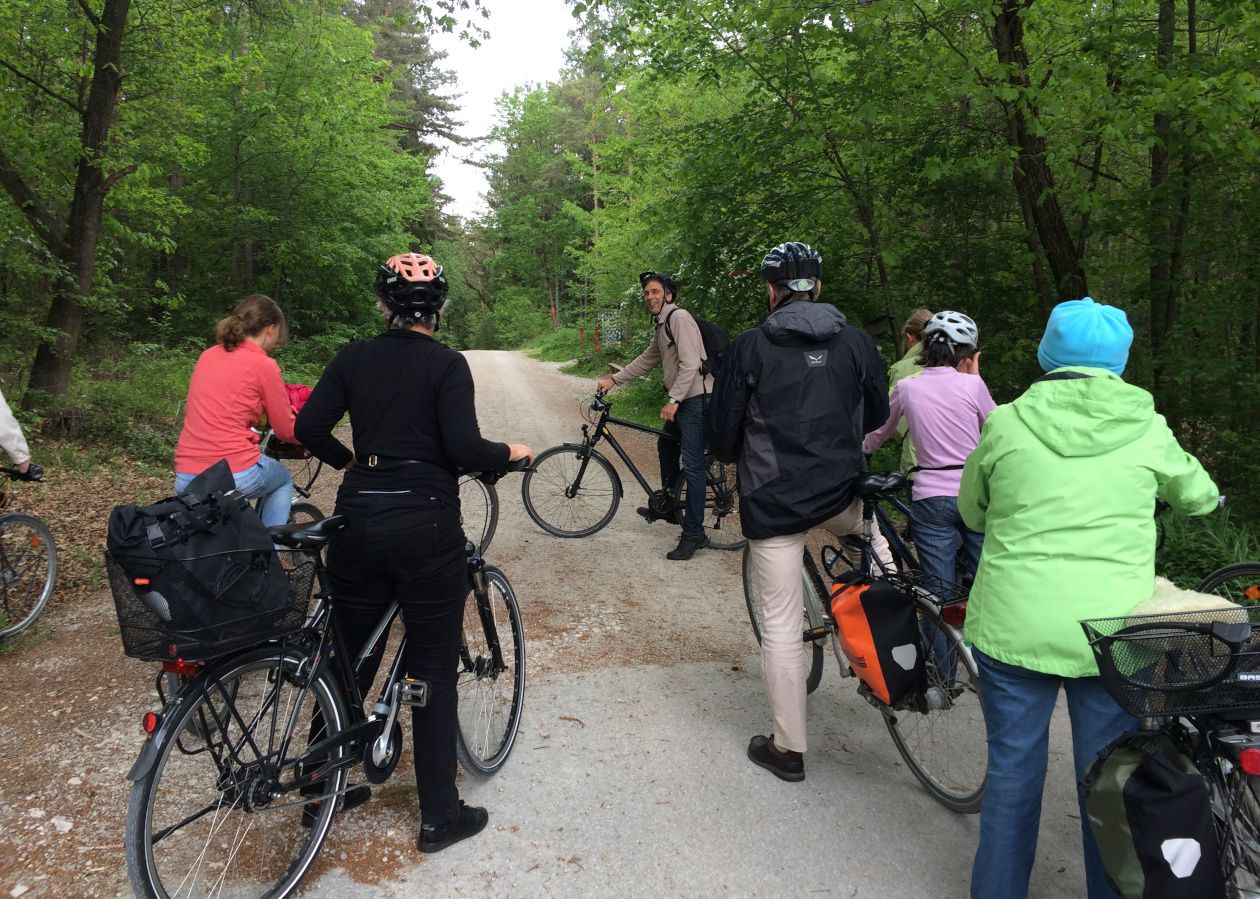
(1180,663)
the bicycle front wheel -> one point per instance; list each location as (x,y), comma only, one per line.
(570,491)
(478,511)
(811,650)
(220,812)
(28,571)
(1238,583)
(940,733)
(491,680)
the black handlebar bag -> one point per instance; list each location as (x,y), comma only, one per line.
(196,573)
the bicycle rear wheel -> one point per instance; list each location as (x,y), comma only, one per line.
(304,513)
(28,571)
(478,511)
(491,692)
(812,650)
(721,505)
(1238,583)
(1236,808)
(219,811)
(563,505)
(940,733)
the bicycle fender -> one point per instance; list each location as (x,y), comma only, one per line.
(621,492)
(146,760)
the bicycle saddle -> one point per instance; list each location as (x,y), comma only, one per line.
(307,534)
(880,483)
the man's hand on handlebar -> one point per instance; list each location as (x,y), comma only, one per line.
(605,384)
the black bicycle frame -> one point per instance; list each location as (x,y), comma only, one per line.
(602,432)
(873,513)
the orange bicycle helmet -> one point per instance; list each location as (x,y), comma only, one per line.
(411,285)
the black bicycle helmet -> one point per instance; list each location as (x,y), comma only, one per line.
(411,285)
(666,282)
(793,263)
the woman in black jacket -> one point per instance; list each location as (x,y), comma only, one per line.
(410,400)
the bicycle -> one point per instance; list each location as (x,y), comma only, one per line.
(572,490)
(28,562)
(1190,677)
(236,786)
(940,731)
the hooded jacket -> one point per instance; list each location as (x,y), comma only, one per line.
(793,400)
(906,367)
(1063,485)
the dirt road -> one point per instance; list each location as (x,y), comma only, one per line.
(629,775)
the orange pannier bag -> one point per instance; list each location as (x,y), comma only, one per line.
(878,629)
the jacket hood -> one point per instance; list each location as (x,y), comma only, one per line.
(1086,416)
(802,320)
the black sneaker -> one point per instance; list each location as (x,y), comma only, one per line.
(436,837)
(352,798)
(687,547)
(782,763)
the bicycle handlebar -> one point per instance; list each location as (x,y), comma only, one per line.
(490,477)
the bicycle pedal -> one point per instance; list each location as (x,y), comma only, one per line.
(413,692)
(816,633)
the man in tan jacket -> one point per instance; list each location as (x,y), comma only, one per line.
(679,349)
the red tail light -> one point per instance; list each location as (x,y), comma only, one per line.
(182,668)
(140,581)
(954,615)
(1249,761)
(150,722)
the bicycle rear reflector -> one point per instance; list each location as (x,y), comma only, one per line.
(151,720)
(1249,761)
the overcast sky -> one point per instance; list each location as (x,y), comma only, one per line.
(527,43)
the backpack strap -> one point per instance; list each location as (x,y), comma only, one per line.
(665,324)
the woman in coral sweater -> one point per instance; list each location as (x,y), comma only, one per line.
(233,385)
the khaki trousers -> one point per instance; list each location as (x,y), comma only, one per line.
(776,564)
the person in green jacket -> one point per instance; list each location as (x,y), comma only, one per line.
(908,366)
(1063,484)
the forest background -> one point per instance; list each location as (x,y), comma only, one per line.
(163,158)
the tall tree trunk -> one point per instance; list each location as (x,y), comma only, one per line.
(1169,211)
(76,247)
(1033,179)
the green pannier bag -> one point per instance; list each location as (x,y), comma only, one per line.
(1150,810)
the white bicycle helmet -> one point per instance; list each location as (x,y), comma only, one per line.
(954,327)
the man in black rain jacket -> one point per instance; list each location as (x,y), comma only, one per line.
(795,396)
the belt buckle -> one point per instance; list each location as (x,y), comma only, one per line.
(373,461)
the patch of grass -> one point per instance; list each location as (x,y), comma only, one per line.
(1195,547)
(640,401)
(559,345)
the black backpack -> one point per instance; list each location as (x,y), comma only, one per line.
(715,341)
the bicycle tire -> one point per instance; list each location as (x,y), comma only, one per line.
(305,512)
(1238,583)
(28,571)
(227,830)
(944,745)
(490,701)
(547,485)
(812,650)
(1236,810)
(721,505)
(478,511)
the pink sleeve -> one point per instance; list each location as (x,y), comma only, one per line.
(984,402)
(875,439)
(276,401)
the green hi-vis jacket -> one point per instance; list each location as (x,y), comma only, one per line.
(906,367)
(1063,485)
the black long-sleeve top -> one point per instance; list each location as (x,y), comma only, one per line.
(411,404)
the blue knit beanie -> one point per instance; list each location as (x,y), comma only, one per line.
(1082,332)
